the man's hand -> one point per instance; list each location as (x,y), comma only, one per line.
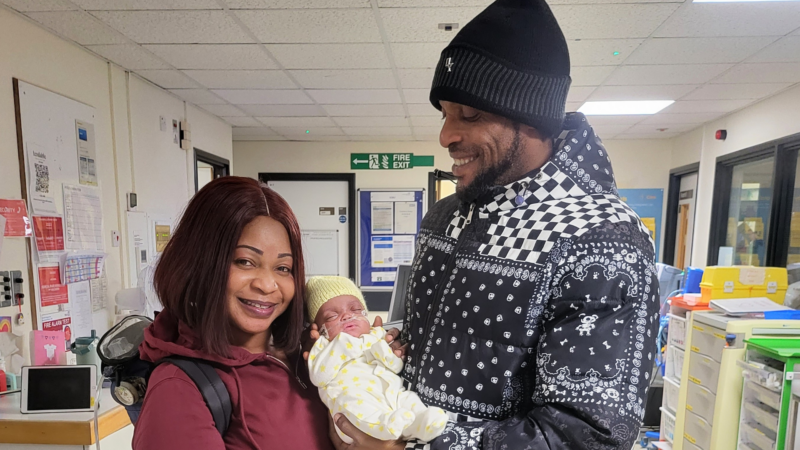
(308,339)
(392,338)
(361,440)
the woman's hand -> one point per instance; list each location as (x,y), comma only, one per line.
(392,338)
(361,440)
(308,339)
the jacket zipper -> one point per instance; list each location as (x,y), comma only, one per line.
(440,292)
(288,370)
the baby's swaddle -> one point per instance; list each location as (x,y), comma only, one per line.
(357,376)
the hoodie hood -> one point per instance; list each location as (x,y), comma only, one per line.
(168,336)
(579,166)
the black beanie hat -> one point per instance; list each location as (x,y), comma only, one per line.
(511,60)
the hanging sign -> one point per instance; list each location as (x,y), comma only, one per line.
(17,222)
(388,161)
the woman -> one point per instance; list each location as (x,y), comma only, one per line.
(231,281)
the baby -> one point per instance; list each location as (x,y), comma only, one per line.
(355,369)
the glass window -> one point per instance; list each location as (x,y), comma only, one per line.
(748,212)
(794,236)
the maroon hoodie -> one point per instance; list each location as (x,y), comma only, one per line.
(272,408)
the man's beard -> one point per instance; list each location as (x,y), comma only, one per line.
(494,175)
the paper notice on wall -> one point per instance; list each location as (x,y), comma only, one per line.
(87,157)
(2,227)
(16,216)
(81,266)
(99,289)
(42,169)
(405,217)
(83,217)
(52,291)
(49,238)
(382,217)
(389,251)
(80,307)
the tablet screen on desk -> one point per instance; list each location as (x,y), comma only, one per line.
(57,388)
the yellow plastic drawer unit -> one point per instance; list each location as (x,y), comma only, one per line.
(697,431)
(708,341)
(743,282)
(704,371)
(689,446)
(700,401)
(671,393)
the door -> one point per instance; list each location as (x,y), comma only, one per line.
(323,211)
(686,213)
(208,167)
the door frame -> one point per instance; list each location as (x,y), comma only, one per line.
(350,178)
(673,199)
(219,163)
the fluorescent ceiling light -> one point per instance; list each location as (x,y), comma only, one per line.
(624,108)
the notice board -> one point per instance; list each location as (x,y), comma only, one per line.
(648,204)
(389,222)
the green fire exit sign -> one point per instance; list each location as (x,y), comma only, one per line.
(388,161)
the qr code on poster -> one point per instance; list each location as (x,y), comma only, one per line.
(42,178)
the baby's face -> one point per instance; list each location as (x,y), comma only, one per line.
(343,314)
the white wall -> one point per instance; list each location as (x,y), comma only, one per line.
(771,119)
(131,151)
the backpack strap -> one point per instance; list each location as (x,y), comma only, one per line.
(214,392)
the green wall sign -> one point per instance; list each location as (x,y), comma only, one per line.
(388,161)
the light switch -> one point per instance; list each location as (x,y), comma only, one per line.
(115,238)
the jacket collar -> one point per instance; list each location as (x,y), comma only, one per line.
(579,166)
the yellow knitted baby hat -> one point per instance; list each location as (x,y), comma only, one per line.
(321,289)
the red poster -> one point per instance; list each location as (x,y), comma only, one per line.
(60,325)
(17,222)
(49,233)
(50,287)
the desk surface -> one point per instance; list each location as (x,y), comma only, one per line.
(59,428)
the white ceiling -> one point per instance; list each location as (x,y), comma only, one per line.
(361,69)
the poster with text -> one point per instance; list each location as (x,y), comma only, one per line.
(16,214)
(648,204)
(52,291)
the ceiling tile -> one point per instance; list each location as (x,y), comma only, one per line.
(427,131)
(784,50)
(39,5)
(427,121)
(704,106)
(283,110)
(257,138)
(300,131)
(213,56)
(416,55)
(735,91)
(253,131)
(431,3)
(377,131)
(623,93)
(355,96)
(762,73)
(345,79)
(424,110)
(198,96)
(627,120)
(416,78)
(380,138)
(312,25)
(646,136)
(733,19)
(590,76)
(223,110)
(296,4)
(168,79)
(600,52)
(175,27)
(140,5)
(422,24)
(387,110)
(129,56)
(579,94)
(697,50)
(374,121)
(571,106)
(241,79)
(656,128)
(612,20)
(298,122)
(417,95)
(330,56)
(263,96)
(687,118)
(242,121)
(660,75)
(79,27)
(606,131)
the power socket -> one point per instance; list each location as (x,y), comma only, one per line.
(6,293)
(18,288)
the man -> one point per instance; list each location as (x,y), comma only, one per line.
(533,303)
